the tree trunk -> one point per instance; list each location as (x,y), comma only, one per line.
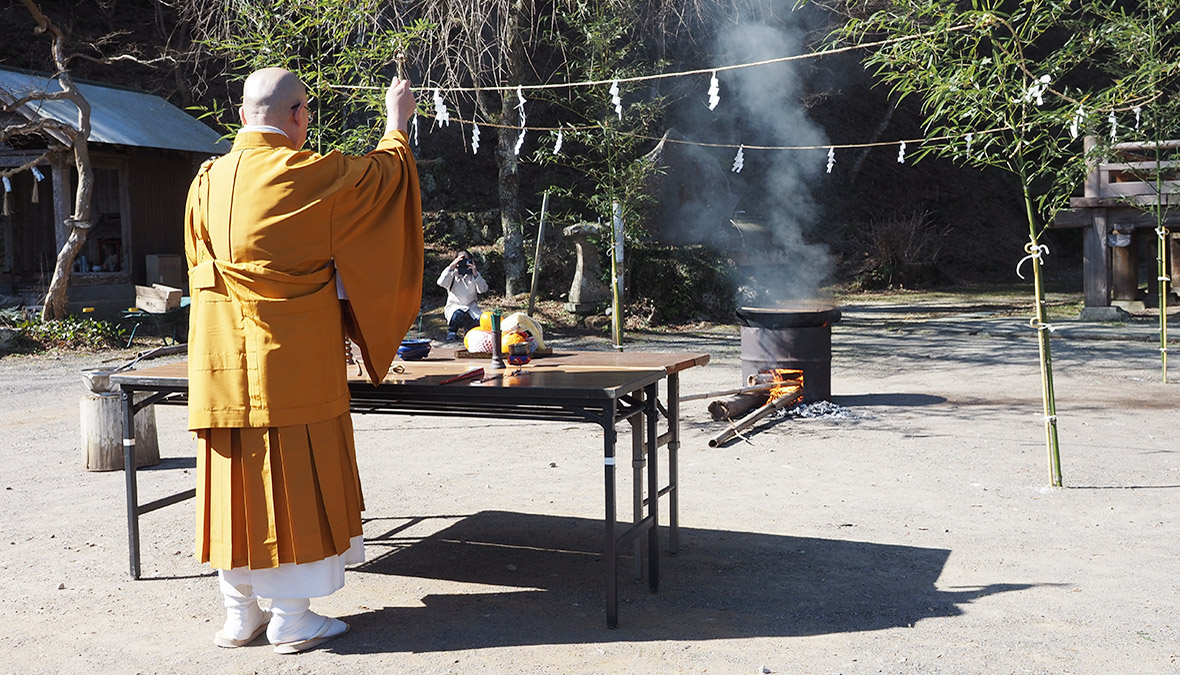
(508,186)
(57,295)
(79,223)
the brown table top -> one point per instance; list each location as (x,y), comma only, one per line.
(671,362)
(561,371)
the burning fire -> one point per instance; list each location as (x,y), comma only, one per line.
(792,383)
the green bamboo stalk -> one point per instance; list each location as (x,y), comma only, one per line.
(1161,260)
(1047,394)
(616,307)
(616,299)
(1162,274)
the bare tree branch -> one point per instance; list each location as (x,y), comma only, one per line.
(30,164)
(107,60)
(37,126)
(44,95)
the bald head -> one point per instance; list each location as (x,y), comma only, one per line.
(276,97)
(270,94)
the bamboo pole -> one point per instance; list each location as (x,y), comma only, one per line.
(727,392)
(1161,232)
(616,273)
(537,255)
(1048,396)
(1162,275)
(775,405)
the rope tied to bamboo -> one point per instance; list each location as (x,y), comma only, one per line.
(1050,419)
(1039,325)
(1162,232)
(1034,251)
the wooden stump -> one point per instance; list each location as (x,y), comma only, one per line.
(102,433)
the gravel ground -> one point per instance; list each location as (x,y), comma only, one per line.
(913,533)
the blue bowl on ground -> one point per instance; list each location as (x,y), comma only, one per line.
(414,349)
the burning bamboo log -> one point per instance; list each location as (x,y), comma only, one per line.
(787,389)
(777,376)
(734,407)
(774,405)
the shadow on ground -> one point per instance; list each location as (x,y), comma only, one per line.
(901,400)
(721,585)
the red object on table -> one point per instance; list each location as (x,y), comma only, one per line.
(474,372)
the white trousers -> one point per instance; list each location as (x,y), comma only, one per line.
(291,580)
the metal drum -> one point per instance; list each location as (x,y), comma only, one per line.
(798,337)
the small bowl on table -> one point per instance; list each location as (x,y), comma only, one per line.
(414,349)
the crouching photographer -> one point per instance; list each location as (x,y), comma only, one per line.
(464,284)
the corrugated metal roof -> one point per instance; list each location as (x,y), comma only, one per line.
(119,116)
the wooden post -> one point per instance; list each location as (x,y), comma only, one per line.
(60,172)
(1096,261)
(102,433)
(1092,187)
(1124,268)
(1095,245)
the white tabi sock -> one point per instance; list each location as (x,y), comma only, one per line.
(293,620)
(242,613)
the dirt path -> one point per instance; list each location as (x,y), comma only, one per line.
(916,534)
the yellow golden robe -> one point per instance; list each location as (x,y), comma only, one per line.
(268,229)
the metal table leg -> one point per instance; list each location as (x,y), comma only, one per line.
(650,416)
(129,476)
(638,429)
(673,451)
(608,549)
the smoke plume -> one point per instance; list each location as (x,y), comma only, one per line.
(771,202)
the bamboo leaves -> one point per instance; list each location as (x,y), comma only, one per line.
(323,42)
(1018,91)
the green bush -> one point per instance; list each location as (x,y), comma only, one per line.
(675,285)
(71,333)
(901,251)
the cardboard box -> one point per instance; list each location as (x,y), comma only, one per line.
(157,298)
(164,268)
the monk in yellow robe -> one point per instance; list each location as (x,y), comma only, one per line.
(276,238)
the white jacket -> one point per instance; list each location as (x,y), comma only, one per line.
(462,291)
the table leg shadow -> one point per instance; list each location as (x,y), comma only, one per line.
(724,584)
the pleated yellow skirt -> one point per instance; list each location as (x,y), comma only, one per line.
(275,495)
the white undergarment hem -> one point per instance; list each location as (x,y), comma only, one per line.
(305,580)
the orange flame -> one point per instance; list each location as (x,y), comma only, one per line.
(791,379)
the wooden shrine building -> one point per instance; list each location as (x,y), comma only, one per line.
(1118,210)
(144,151)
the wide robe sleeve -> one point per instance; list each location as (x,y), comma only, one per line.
(378,249)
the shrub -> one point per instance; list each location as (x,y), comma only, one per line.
(671,285)
(901,251)
(71,333)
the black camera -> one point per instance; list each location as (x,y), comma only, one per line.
(464,267)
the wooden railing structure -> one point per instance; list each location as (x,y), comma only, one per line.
(1118,209)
